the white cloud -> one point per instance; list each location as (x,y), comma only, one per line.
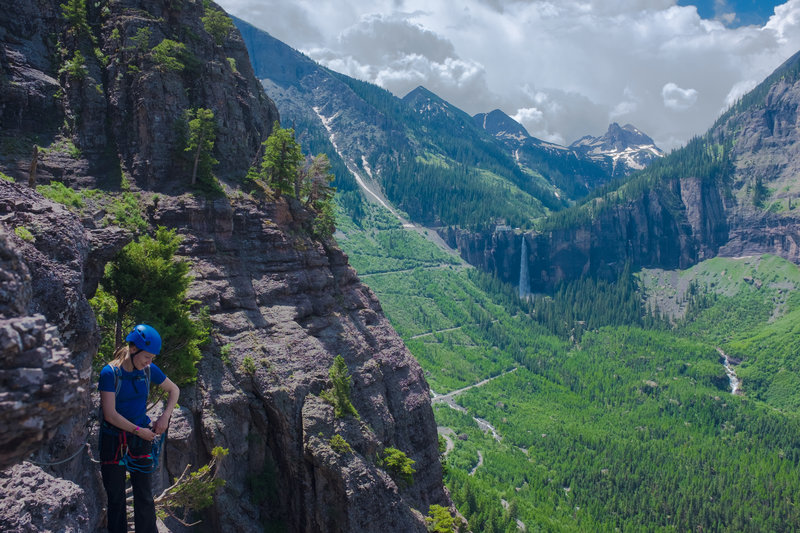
(785,21)
(528,115)
(738,90)
(677,98)
(580,63)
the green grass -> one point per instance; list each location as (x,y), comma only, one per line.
(58,192)
(24,233)
(124,210)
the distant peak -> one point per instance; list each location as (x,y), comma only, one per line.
(626,135)
(420,91)
(626,145)
(499,124)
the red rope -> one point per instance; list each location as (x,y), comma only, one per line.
(123,444)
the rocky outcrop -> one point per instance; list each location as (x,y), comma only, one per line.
(497,251)
(275,296)
(117,112)
(282,305)
(40,386)
(289,305)
(667,229)
(36,502)
(49,337)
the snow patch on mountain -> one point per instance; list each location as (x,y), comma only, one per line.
(628,148)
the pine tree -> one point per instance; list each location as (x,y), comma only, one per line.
(201,139)
(218,24)
(338,394)
(145,283)
(319,179)
(282,158)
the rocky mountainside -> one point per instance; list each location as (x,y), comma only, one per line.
(327,114)
(731,192)
(438,167)
(501,125)
(105,99)
(571,171)
(627,148)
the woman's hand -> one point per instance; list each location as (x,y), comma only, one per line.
(161,424)
(146,434)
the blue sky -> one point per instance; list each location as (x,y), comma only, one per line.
(563,68)
(745,11)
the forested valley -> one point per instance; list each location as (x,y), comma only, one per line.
(610,408)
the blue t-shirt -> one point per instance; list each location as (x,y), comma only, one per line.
(131,402)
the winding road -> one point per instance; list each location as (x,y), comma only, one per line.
(449,397)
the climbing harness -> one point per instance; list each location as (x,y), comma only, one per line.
(133,463)
(145,463)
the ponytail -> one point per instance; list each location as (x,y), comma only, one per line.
(120,355)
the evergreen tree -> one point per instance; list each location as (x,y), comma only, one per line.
(338,394)
(145,283)
(318,180)
(201,139)
(319,194)
(282,158)
(217,24)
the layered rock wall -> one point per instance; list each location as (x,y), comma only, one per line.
(672,228)
(290,305)
(118,114)
(49,337)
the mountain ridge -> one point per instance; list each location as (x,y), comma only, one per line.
(411,159)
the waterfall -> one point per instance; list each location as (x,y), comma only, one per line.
(524,278)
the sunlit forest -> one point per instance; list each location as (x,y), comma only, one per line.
(603,410)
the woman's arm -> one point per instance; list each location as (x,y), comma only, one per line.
(108,400)
(174,392)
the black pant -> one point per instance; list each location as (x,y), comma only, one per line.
(144,510)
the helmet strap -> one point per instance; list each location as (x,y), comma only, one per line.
(131,355)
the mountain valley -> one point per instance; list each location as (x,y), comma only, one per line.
(594,337)
(547,441)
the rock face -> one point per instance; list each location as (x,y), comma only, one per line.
(49,337)
(36,502)
(40,386)
(289,305)
(118,111)
(282,305)
(649,231)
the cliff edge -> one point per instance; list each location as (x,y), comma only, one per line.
(104,110)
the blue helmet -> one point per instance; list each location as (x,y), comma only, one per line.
(145,338)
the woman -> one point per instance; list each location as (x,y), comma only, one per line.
(126,438)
